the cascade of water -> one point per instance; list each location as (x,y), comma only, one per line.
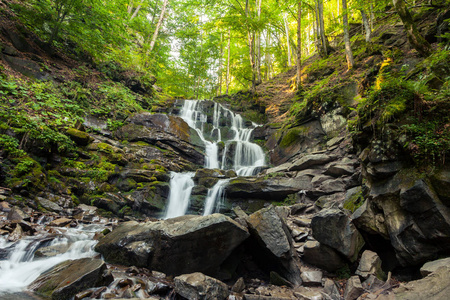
(247,156)
(21,268)
(181,185)
(215,197)
(196,119)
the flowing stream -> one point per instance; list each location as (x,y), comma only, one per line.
(21,267)
(227,128)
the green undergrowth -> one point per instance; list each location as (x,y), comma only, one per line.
(416,102)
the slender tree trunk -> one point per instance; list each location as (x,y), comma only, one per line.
(258,46)
(414,37)
(322,28)
(286,26)
(366,23)
(250,37)
(228,61)
(348,48)
(372,16)
(136,10)
(130,7)
(158,26)
(267,55)
(299,46)
(219,90)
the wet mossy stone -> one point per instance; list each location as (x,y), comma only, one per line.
(80,137)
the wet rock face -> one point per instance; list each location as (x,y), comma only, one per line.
(302,139)
(70,277)
(333,228)
(174,246)
(178,137)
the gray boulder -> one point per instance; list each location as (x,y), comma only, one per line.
(370,264)
(308,161)
(416,221)
(353,289)
(322,256)
(433,287)
(68,278)
(275,189)
(432,266)
(333,228)
(272,237)
(175,246)
(199,286)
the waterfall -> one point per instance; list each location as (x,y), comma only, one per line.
(215,197)
(247,157)
(21,267)
(181,185)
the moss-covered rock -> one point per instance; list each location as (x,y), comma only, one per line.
(80,137)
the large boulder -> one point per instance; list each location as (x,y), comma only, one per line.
(370,264)
(68,278)
(433,287)
(333,227)
(417,222)
(199,286)
(322,256)
(432,266)
(275,188)
(273,245)
(175,246)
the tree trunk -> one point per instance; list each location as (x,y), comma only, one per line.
(258,46)
(322,28)
(228,61)
(348,48)
(267,55)
(286,26)
(136,10)
(299,46)
(158,26)
(372,16)
(366,23)
(250,37)
(414,37)
(219,90)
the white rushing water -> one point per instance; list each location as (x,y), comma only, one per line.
(247,157)
(181,185)
(21,267)
(215,197)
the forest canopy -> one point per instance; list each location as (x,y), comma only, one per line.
(202,48)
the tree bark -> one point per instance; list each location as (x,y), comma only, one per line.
(219,90)
(414,37)
(136,10)
(348,48)
(286,26)
(267,55)
(158,25)
(366,23)
(258,46)
(250,37)
(228,61)
(299,46)
(322,28)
